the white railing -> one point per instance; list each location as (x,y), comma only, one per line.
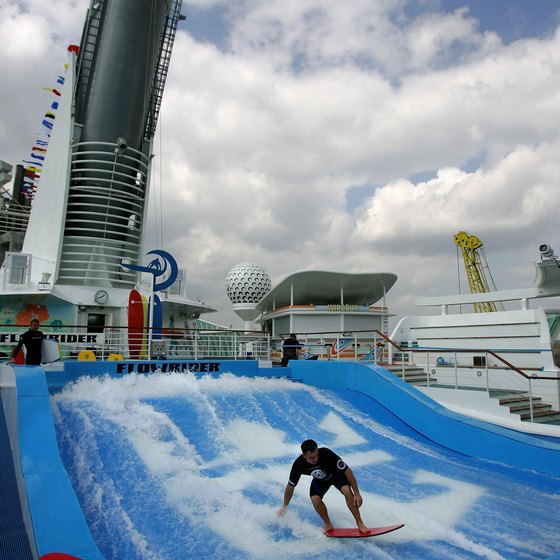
(196,344)
(478,369)
(12,219)
(455,369)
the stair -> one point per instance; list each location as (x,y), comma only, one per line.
(412,374)
(520,403)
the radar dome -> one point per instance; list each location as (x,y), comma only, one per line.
(247,283)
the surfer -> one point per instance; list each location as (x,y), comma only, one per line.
(327,469)
(32,340)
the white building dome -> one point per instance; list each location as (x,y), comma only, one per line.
(247,283)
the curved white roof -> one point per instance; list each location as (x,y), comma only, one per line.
(323,287)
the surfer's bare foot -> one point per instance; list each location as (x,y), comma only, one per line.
(328,527)
(362,528)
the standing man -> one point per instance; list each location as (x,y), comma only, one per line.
(32,340)
(327,469)
(290,348)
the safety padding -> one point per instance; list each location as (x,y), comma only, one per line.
(86,356)
(53,510)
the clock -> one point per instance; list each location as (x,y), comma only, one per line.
(101,297)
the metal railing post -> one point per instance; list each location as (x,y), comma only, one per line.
(456,370)
(268,347)
(487,372)
(531,399)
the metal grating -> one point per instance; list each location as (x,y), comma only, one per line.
(104,215)
(13,537)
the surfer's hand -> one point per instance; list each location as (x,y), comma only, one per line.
(358,500)
(282,511)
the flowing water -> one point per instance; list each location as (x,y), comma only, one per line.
(170,467)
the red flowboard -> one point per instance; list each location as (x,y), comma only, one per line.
(19,360)
(354,533)
(135,324)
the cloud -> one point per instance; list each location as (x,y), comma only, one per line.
(521,189)
(318,135)
(305,35)
(308,137)
(35,37)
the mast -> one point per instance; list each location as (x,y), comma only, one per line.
(102,156)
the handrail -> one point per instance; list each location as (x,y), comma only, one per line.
(480,351)
(224,343)
(346,334)
(510,367)
(176,343)
(499,358)
(184,332)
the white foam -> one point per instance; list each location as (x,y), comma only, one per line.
(344,434)
(254,456)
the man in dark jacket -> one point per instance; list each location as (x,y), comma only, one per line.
(290,349)
(32,340)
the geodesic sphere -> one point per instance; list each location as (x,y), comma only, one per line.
(247,283)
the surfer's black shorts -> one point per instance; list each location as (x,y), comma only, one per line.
(320,487)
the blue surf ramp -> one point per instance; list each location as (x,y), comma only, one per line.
(51,512)
(454,431)
(172,466)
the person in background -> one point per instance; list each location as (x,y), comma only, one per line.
(290,349)
(327,469)
(32,340)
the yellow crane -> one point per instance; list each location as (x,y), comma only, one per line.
(475,266)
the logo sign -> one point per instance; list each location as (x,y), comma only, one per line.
(341,307)
(67,338)
(163,268)
(166,367)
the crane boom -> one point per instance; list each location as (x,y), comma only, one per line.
(475,265)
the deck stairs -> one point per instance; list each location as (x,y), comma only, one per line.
(414,375)
(516,401)
(519,403)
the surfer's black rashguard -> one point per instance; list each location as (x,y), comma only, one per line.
(329,471)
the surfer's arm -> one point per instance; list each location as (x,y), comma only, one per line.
(288,493)
(354,485)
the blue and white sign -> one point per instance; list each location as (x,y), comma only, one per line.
(163,267)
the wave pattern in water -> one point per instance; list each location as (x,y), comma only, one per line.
(170,466)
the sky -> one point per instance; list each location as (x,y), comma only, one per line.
(315,134)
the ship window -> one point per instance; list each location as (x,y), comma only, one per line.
(479,361)
(18,268)
(95,322)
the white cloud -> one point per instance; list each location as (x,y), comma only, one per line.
(521,189)
(261,144)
